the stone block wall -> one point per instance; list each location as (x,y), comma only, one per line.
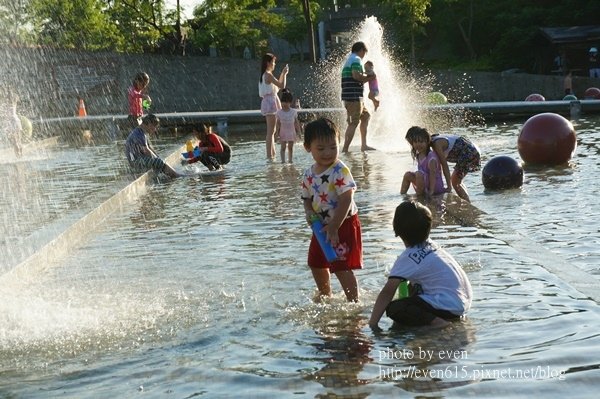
(49,82)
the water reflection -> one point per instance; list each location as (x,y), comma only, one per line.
(344,349)
(424,360)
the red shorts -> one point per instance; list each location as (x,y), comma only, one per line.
(349,249)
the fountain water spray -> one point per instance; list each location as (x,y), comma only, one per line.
(402,96)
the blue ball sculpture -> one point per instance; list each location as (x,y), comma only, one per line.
(502,172)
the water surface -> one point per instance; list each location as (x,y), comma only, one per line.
(200,288)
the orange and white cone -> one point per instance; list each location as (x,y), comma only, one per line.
(82,111)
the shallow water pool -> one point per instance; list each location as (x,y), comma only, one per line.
(200,287)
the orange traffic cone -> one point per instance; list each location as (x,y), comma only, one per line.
(82,111)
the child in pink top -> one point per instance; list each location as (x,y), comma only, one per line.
(373,84)
(428,177)
(136,94)
(288,126)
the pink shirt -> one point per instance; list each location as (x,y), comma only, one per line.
(423,167)
(287,120)
(134,97)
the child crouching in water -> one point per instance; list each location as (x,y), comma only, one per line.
(440,289)
(327,191)
(427,179)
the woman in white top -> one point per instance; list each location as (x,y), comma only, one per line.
(268,86)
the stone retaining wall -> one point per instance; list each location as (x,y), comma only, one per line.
(49,82)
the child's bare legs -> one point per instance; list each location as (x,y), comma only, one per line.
(270,139)
(290,146)
(15,141)
(373,98)
(282,152)
(290,150)
(349,284)
(346,278)
(460,188)
(323,280)
(417,180)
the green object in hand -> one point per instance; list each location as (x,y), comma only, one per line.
(402,290)
(146,104)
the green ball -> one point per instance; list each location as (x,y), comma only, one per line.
(569,97)
(26,128)
(436,98)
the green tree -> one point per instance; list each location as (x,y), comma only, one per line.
(81,24)
(232,25)
(298,26)
(411,17)
(310,28)
(144,25)
(13,23)
(499,34)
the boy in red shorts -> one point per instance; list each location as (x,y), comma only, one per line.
(327,191)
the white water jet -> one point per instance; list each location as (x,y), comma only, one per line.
(403,97)
(399,98)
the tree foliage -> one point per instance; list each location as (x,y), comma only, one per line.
(13,18)
(142,24)
(491,35)
(231,25)
(497,34)
(412,14)
(72,24)
(295,30)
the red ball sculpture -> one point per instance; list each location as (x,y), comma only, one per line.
(535,97)
(593,93)
(547,139)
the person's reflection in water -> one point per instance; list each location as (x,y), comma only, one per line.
(426,360)
(345,350)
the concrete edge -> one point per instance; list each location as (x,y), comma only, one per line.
(78,232)
(582,281)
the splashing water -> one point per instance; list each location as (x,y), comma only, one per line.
(397,92)
(396,112)
(402,96)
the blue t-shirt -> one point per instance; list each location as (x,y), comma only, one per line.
(136,140)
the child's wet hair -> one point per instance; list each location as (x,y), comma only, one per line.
(417,133)
(286,96)
(320,129)
(142,77)
(412,222)
(201,127)
(151,119)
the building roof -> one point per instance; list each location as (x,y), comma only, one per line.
(572,34)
